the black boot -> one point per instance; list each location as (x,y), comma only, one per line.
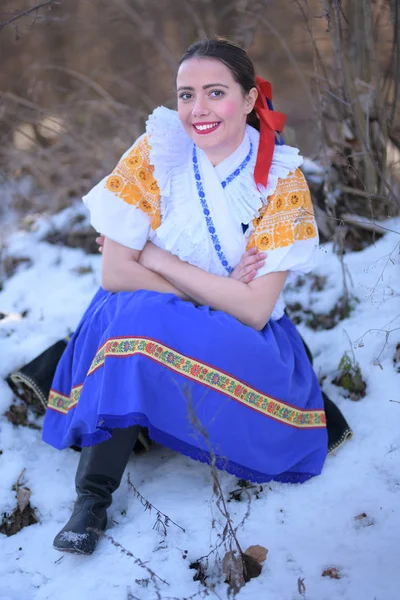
(99,474)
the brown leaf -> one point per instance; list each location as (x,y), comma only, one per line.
(23,496)
(251,567)
(301,586)
(363,520)
(257,552)
(332,572)
(17,414)
(396,359)
(200,572)
(232,567)
(15,521)
(360,516)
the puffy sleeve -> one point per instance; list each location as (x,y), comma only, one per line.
(125,205)
(286,228)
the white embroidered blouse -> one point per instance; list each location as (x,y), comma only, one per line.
(164,189)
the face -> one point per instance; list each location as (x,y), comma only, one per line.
(212,106)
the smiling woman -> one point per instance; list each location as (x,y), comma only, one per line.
(212,106)
(188,332)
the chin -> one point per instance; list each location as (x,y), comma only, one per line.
(204,141)
(207,143)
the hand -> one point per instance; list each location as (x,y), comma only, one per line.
(100,242)
(251,261)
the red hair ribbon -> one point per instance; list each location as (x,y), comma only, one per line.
(270,122)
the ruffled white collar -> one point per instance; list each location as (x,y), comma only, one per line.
(171,147)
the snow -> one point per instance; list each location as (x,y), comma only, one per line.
(306,528)
(313,170)
(71,536)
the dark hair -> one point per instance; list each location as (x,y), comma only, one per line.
(232,56)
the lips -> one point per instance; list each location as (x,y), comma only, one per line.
(204,128)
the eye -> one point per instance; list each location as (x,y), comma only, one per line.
(217,93)
(185,96)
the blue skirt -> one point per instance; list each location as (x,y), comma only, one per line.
(202,383)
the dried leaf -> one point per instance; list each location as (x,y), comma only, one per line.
(14,522)
(332,572)
(23,496)
(360,516)
(259,553)
(200,574)
(301,586)
(232,567)
(363,520)
(251,567)
(396,359)
(17,414)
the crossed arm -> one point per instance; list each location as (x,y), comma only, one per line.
(155,269)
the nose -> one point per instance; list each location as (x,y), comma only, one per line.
(200,107)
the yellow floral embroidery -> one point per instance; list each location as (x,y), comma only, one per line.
(288,216)
(132,180)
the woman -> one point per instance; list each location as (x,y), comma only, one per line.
(177,340)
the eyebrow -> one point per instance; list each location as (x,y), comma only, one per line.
(205,87)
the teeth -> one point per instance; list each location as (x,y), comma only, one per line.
(204,127)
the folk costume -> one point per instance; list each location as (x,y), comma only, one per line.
(155,360)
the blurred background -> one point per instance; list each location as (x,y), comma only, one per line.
(79,77)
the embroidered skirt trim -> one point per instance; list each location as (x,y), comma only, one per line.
(199,372)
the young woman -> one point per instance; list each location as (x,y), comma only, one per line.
(178,339)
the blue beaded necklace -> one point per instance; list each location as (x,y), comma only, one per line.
(207,214)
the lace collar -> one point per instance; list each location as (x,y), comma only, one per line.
(171,150)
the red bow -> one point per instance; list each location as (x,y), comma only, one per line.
(270,122)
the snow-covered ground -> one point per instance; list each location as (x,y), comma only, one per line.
(307,528)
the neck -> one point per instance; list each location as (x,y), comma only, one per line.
(217,155)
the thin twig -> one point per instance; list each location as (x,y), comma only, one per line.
(137,561)
(149,506)
(229,533)
(24,13)
(388,260)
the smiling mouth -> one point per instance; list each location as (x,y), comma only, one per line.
(203,128)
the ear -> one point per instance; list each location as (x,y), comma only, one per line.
(251,100)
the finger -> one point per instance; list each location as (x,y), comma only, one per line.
(249,277)
(250,260)
(259,260)
(247,260)
(249,252)
(254,267)
(252,252)
(259,264)
(247,270)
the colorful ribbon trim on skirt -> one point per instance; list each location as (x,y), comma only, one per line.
(199,372)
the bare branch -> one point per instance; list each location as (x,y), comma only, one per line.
(28,11)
